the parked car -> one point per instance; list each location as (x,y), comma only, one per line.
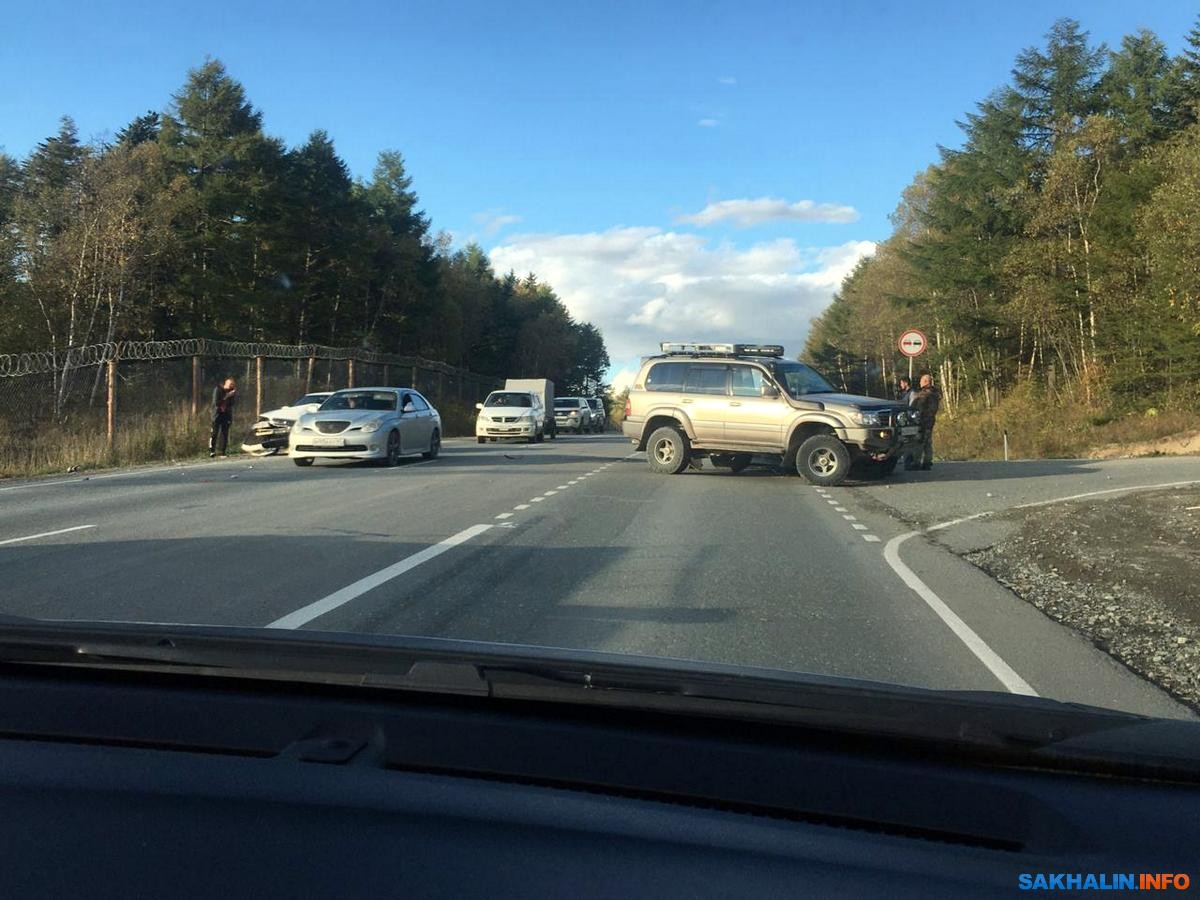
(510,414)
(573,414)
(377,423)
(599,414)
(731,402)
(269,433)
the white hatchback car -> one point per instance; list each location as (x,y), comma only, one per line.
(378,423)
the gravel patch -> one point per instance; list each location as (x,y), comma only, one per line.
(1124,572)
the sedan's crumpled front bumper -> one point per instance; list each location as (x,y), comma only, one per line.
(263,438)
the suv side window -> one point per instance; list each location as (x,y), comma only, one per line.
(747,381)
(706,378)
(666,376)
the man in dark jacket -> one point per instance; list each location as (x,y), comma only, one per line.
(926,402)
(224,400)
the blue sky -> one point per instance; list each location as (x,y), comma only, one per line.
(575,137)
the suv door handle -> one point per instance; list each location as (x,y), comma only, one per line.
(735,402)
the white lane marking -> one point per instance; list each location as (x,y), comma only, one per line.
(34,537)
(537,499)
(991,512)
(573,481)
(306,614)
(871,537)
(1010,679)
(850,518)
(549,493)
(504,516)
(1012,682)
(403,466)
(521,506)
(858,526)
(840,509)
(1190,508)
(831,502)
(561,487)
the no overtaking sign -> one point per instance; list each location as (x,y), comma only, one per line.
(913,343)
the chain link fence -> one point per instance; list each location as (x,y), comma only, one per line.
(129,402)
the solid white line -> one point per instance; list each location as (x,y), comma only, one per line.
(504,516)
(1012,682)
(33,537)
(997,666)
(521,506)
(858,526)
(306,614)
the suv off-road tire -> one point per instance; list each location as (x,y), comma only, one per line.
(823,460)
(667,451)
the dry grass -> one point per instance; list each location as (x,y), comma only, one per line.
(1041,428)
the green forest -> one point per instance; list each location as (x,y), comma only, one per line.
(1053,259)
(193,222)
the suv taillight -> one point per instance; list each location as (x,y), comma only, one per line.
(628,408)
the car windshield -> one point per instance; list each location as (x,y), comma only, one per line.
(380,401)
(848,340)
(504,398)
(798,379)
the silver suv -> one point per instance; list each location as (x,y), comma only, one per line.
(731,402)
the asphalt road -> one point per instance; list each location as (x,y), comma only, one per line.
(575,543)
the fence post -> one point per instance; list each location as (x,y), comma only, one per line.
(458,386)
(111,412)
(258,386)
(312,360)
(350,372)
(387,381)
(195,386)
(413,384)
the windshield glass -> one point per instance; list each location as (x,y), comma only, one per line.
(798,379)
(369,400)
(501,398)
(597,290)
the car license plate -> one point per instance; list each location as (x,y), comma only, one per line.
(910,430)
(327,441)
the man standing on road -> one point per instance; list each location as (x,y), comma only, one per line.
(926,401)
(905,394)
(224,399)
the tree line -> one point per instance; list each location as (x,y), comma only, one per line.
(193,222)
(1059,246)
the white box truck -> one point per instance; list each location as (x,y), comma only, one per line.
(544,388)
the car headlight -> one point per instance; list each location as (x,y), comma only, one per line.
(914,416)
(370,425)
(861,417)
(528,420)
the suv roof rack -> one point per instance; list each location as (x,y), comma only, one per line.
(694,348)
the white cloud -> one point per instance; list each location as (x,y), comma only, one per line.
(642,285)
(748,212)
(493,220)
(708,123)
(727,79)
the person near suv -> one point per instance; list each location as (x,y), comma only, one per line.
(731,402)
(926,401)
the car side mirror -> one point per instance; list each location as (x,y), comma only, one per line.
(770,391)
(479,406)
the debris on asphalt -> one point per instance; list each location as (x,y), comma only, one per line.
(1124,572)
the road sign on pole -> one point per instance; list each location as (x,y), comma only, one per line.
(913,343)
